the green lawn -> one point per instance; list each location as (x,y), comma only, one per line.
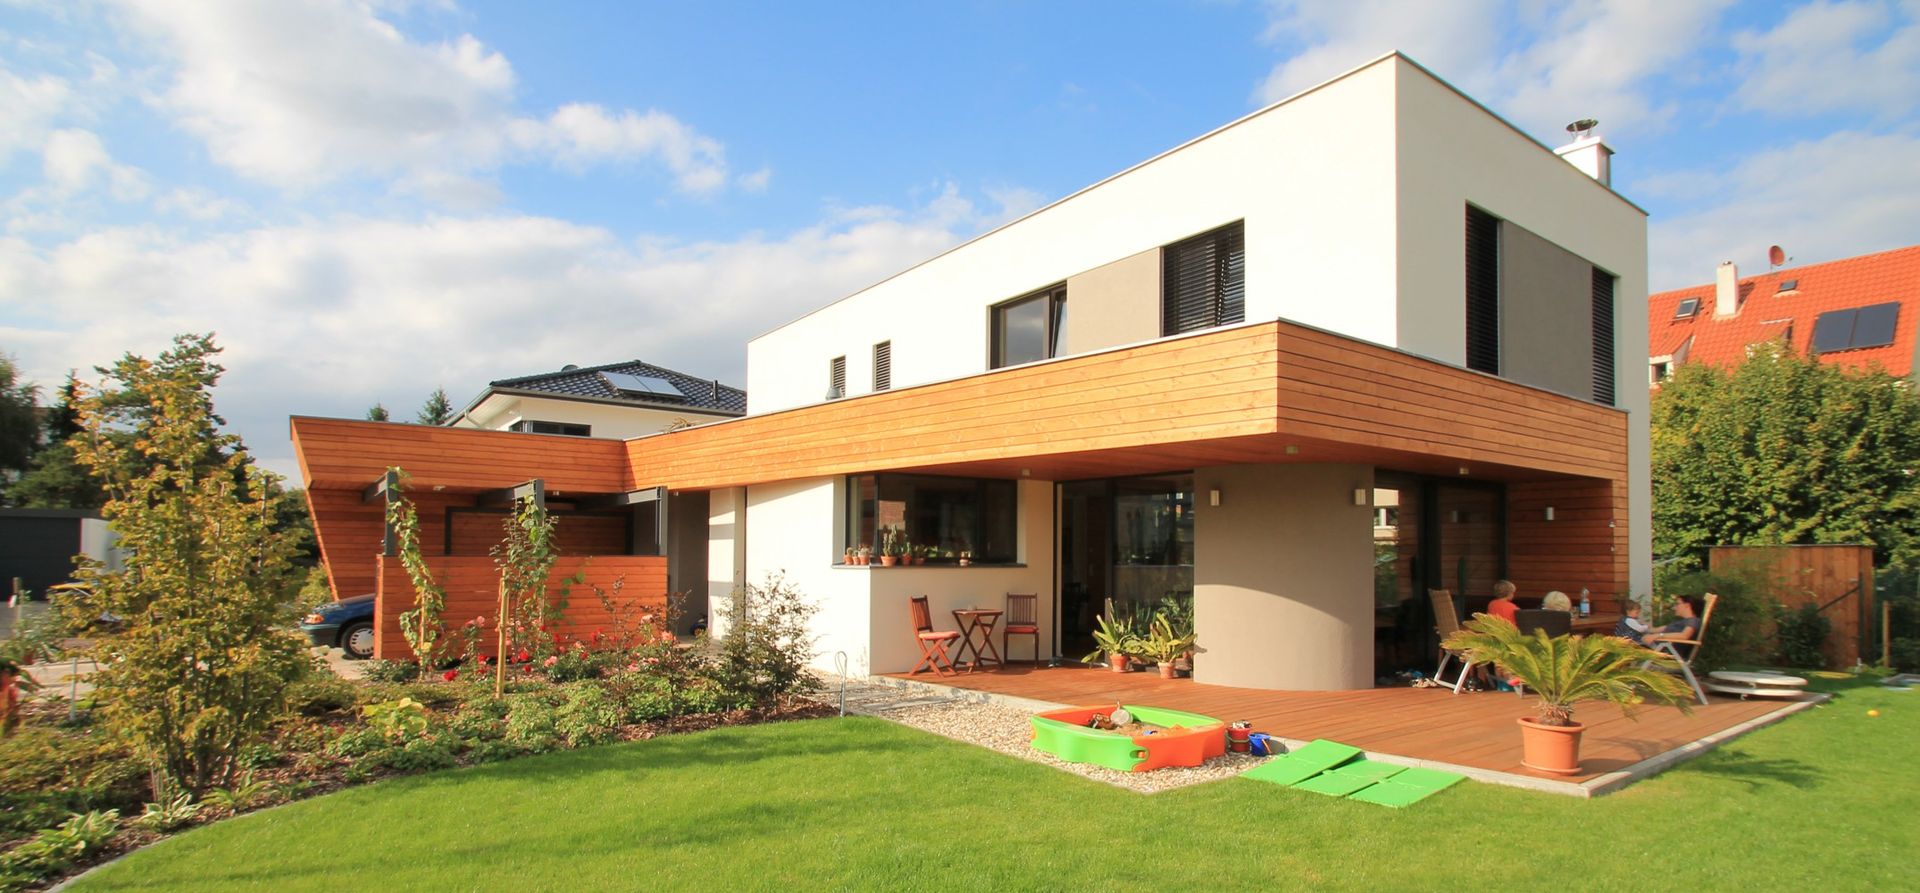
(1823,800)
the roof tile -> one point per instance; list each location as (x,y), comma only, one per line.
(585,381)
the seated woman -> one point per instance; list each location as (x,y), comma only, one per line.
(1684,628)
(1556,601)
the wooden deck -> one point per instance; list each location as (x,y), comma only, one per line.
(1473,730)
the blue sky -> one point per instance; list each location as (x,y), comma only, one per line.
(368,199)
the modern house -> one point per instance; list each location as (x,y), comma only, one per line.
(627,399)
(1856,312)
(1362,343)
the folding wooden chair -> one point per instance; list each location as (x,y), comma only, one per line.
(1022,620)
(933,643)
(1670,647)
(1446,622)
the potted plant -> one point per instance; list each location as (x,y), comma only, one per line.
(966,558)
(1163,644)
(1563,671)
(1113,643)
(863,554)
(889,547)
(847,556)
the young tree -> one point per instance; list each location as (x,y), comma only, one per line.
(421,626)
(200,661)
(437,410)
(1786,450)
(377,413)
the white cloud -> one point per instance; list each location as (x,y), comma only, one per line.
(27,105)
(1541,68)
(197,204)
(327,317)
(74,160)
(1846,194)
(305,92)
(1826,57)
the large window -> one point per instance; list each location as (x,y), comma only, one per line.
(1204,281)
(1483,291)
(949,515)
(530,426)
(1030,328)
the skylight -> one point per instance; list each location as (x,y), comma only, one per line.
(1789,284)
(1687,308)
(626,384)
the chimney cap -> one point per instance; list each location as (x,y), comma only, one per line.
(1582,127)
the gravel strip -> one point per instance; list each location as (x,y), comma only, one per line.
(1008,732)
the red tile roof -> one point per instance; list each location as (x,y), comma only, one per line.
(1766,312)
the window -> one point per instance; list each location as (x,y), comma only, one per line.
(949,515)
(837,378)
(1203,281)
(1659,372)
(529,426)
(1855,328)
(1483,291)
(1790,285)
(1602,337)
(1030,328)
(1687,308)
(883,366)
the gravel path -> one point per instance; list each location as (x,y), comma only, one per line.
(1006,730)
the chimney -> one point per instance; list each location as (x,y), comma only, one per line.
(1726,291)
(1588,151)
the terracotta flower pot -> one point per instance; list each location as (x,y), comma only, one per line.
(888,560)
(1553,749)
(1167,670)
(1117,663)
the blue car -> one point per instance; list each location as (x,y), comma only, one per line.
(346,624)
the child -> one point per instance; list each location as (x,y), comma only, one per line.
(1502,605)
(1630,625)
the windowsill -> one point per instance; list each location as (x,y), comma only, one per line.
(927,567)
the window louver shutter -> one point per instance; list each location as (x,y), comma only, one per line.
(837,376)
(883,366)
(1204,281)
(1602,337)
(1483,291)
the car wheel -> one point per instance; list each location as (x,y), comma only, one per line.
(357,640)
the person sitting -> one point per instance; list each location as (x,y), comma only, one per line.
(1631,627)
(1556,601)
(1502,605)
(1684,628)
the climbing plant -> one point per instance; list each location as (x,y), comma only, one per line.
(421,626)
(525,558)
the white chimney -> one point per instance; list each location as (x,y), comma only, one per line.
(1588,151)
(1726,291)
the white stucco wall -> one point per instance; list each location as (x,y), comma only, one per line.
(1311,177)
(499,413)
(1452,153)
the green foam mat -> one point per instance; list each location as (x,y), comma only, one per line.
(1333,784)
(1427,779)
(1323,754)
(1282,771)
(1368,769)
(1389,793)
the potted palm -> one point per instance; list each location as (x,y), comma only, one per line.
(1113,643)
(1564,671)
(1163,644)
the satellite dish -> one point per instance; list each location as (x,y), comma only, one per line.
(1776,256)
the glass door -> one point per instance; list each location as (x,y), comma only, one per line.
(1125,539)
(1430,533)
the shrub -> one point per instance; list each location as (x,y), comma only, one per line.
(244,793)
(768,643)
(320,695)
(590,715)
(1906,655)
(396,721)
(1802,633)
(1738,634)
(418,755)
(357,742)
(54,850)
(577,662)
(645,698)
(391,670)
(46,774)
(531,725)
(436,695)
(168,811)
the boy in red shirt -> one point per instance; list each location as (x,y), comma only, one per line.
(1502,605)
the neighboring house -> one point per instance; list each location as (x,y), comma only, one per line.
(38,546)
(1856,312)
(1199,376)
(628,399)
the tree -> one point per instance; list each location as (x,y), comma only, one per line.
(437,410)
(1786,450)
(377,413)
(199,664)
(54,479)
(19,419)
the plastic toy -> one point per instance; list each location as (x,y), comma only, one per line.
(1185,739)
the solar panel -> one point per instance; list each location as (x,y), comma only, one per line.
(1833,330)
(1687,308)
(640,385)
(1874,326)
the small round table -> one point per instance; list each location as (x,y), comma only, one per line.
(1755,685)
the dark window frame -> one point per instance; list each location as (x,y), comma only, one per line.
(883,366)
(1055,297)
(1604,379)
(1482,291)
(996,547)
(1203,280)
(1688,308)
(563,429)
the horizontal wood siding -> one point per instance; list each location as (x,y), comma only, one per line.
(1585,545)
(477,532)
(473,590)
(340,453)
(1839,578)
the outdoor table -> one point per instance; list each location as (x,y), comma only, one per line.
(981,621)
(1597,623)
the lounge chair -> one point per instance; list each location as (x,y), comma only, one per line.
(1446,622)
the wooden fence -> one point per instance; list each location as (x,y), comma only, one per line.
(473,590)
(1839,579)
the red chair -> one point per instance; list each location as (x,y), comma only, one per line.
(1022,620)
(933,643)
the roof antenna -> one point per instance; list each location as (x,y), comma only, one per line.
(1777,256)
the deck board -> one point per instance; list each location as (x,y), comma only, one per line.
(1473,729)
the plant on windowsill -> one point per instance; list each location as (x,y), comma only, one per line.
(862,555)
(1163,645)
(966,558)
(1114,644)
(892,546)
(1564,671)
